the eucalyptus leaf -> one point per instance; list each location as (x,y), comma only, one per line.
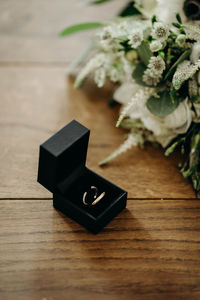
(181,58)
(138,74)
(164,105)
(80,27)
(144,53)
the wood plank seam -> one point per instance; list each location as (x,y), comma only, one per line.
(129,199)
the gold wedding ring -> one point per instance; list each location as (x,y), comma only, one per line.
(96,199)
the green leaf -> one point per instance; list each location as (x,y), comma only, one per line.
(195,99)
(175,96)
(177,25)
(144,53)
(178,18)
(80,27)
(99,1)
(164,105)
(174,145)
(171,149)
(181,58)
(161,53)
(129,10)
(195,176)
(154,19)
(138,74)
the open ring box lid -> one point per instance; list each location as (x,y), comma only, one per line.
(62,171)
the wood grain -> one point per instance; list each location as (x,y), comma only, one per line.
(149,251)
(29,30)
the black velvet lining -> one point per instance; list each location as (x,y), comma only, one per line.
(83,183)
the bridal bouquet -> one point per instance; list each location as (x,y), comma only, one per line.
(152,53)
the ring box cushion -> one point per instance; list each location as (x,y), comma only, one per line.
(62,171)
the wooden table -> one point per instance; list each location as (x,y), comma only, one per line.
(149,251)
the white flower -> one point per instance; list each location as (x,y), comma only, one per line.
(192,32)
(107,33)
(107,38)
(160,31)
(193,87)
(166,11)
(156,46)
(180,119)
(99,77)
(96,62)
(125,92)
(123,26)
(150,79)
(156,65)
(148,6)
(114,75)
(185,70)
(164,129)
(153,123)
(180,40)
(132,140)
(135,102)
(155,68)
(136,38)
(181,74)
(195,55)
(167,128)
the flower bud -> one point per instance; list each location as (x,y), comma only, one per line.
(131,55)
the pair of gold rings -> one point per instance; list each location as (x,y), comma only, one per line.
(93,195)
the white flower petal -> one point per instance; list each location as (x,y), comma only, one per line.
(180,119)
(164,140)
(166,11)
(125,92)
(148,6)
(156,46)
(195,55)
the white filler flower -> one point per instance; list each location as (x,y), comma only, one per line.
(180,40)
(156,65)
(107,33)
(155,68)
(99,77)
(195,55)
(160,31)
(136,38)
(156,46)
(185,70)
(150,78)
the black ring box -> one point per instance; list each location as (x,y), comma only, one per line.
(62,171)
